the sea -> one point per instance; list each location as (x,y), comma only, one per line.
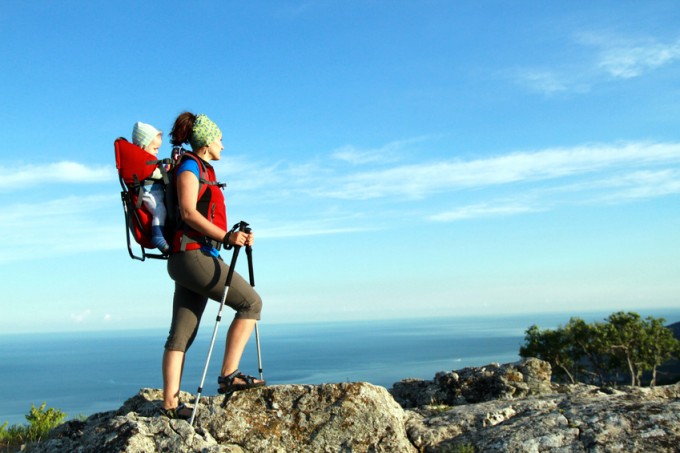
(87,372)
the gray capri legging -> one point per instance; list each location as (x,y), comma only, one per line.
(199,276)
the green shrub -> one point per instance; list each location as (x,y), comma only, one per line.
(41,420)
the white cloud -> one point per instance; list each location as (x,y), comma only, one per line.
(481,210)
(420,180)
(542,81)
(62,226)
(304,230)
(81,317)
(603,57)
(356,156)
(626,59)
(57,172)
(322,198)
(641,185)
(385,154)
(41,214)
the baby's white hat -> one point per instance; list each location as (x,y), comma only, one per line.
(143,133)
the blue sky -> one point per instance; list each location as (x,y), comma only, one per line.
(395,158)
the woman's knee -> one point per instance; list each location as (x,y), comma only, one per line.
(176,344)
(256,306)
(180,341)
(252,309)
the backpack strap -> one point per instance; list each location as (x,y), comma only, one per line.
(202,180)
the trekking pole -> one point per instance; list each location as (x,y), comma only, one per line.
(230,274)
(249,253)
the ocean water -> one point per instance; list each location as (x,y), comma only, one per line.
(84,373)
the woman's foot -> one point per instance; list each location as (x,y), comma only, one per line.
(180,412)
(238,381)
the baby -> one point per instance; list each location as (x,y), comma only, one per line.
(149,139)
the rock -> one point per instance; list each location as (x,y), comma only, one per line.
(476,385)
(574,418)
(496,408)
(329,417)
(356,417)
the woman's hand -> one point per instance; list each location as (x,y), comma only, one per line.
(240,238)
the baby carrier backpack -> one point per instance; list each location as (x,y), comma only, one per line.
(134,172)
(135,167)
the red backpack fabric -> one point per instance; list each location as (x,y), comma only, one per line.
(135,167)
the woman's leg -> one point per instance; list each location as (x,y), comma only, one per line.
(187,310)
(248,305)
(237,338)
(207,275)
(173,365)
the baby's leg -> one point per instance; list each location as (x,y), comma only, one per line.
(154,202)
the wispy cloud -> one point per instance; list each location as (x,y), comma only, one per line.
(81,317)
(638,185)
(481,210)
(388,153)
(310,228)
(356,156)
(420,180)
(41,214)
(602,57)
(626,58)
(542,80)
(455,189)
(65,225)
(326,197)
(58,172)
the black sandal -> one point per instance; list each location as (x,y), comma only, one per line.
(226,383)
(181,412)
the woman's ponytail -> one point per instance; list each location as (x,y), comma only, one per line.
(182,129)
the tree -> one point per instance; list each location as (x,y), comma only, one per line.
(624,336)
(658,345)
(551,346)
(589,339)
(624,344)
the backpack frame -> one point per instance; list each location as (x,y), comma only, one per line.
(133,173)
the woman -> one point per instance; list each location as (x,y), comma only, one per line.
(195,266)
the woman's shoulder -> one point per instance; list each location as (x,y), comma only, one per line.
(188,164)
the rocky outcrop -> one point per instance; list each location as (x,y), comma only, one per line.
(287,418)
(496,408)
(582,419)
(515,408)
(476,385)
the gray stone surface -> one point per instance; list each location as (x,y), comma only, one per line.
(496,408)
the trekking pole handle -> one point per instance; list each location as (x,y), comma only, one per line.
(249,253)
(230,274)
